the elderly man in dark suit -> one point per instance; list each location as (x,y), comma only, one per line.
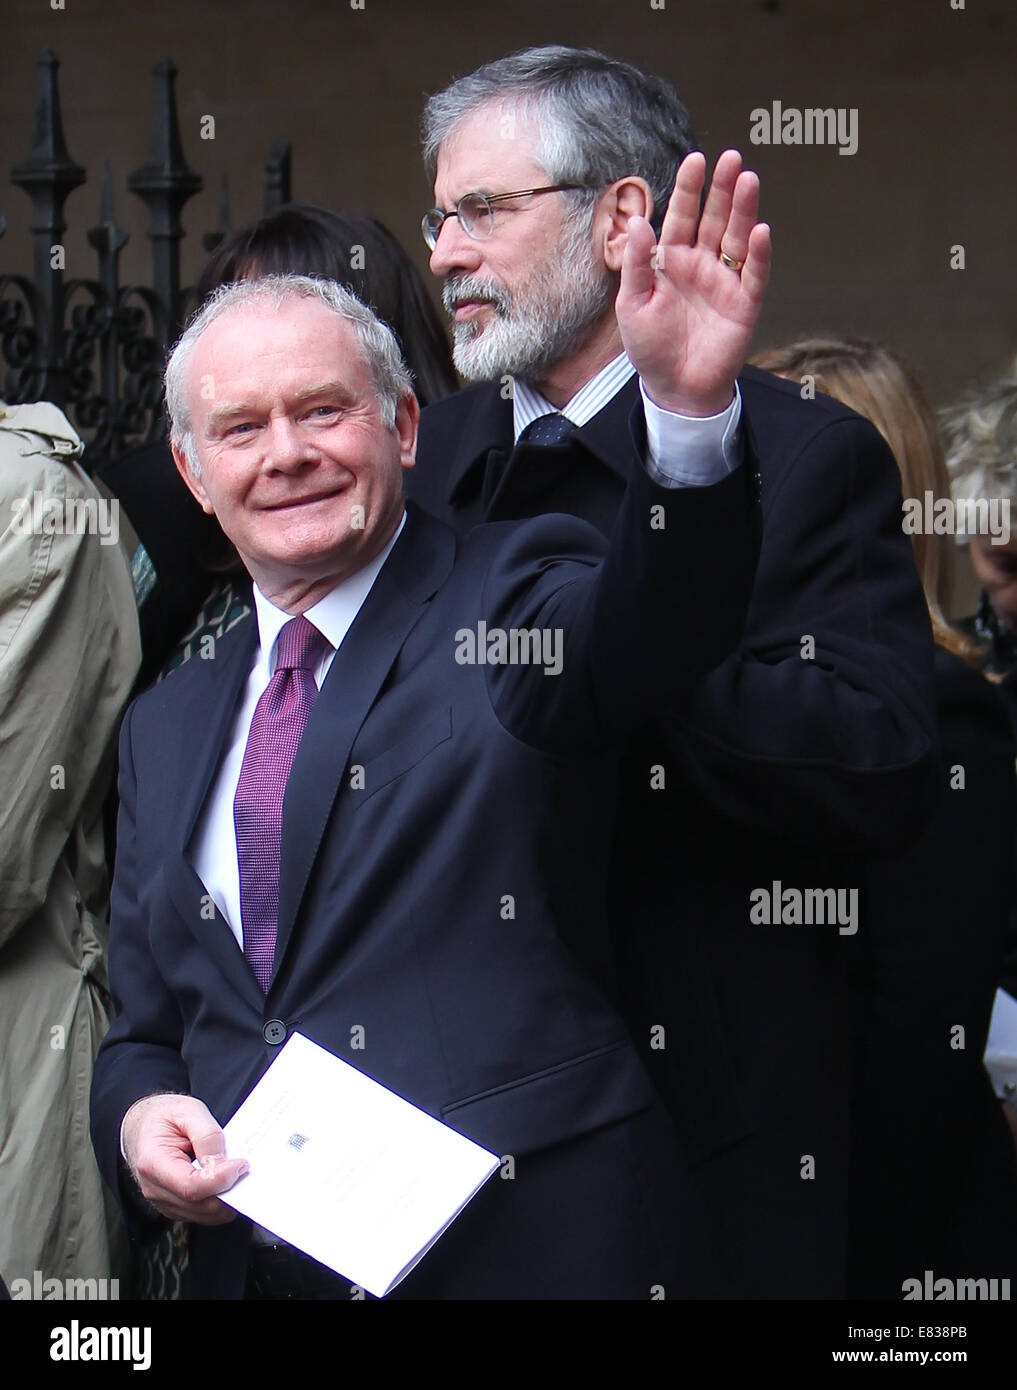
(810,745)
(412,852)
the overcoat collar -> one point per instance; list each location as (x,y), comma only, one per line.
(489,427)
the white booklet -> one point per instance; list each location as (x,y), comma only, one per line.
(346,1170)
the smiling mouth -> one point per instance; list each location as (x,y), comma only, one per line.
(304,501)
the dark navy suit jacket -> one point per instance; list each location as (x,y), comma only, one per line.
(805,749)
(436,891)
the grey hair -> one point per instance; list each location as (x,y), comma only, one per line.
(599,119)
(980,435)
(391,377)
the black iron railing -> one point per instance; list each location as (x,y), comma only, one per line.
(95,346)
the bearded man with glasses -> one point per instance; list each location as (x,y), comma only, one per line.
(807,748)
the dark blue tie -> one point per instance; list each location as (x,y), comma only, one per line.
(547,429)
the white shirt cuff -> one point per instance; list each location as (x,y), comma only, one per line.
(691,451)
(123,1151)
(1001,1047)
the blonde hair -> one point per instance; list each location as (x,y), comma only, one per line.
(875,382)
(980,434)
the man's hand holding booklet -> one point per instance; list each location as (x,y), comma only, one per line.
(346,1170)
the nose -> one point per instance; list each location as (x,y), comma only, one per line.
(288,446)
(454,250)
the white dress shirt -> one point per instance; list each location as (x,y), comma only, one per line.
(214,847)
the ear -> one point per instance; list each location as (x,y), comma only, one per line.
(194,486)
(406,422)
(627,197)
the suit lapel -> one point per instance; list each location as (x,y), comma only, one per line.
(190,897)
(420,562)
(207,713)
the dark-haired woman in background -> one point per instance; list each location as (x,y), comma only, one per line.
(189,586)
(361,254)
(933,1170)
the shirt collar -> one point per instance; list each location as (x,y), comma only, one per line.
(332,615)
(528,404)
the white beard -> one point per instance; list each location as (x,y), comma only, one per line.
(549,316)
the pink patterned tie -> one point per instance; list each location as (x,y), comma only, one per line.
(276,730)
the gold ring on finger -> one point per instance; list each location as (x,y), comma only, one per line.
(730,261)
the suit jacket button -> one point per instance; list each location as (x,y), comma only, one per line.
(274,1031)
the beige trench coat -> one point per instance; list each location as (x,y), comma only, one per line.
(69,653)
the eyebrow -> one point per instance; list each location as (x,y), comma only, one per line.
(221,415)
(484,191)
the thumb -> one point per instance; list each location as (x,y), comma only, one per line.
(205,1134)
(209,1145)
(637,271)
